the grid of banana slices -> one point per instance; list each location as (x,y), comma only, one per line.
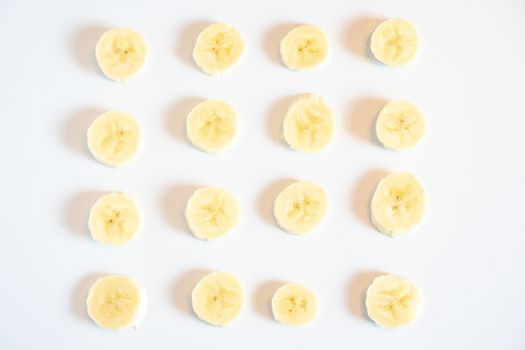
(397,206)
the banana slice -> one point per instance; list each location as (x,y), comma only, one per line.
(400,125)
(398,204)
(121,53)
(211,125)
(115,219)
(211,212)
(393,301)
(294,305)
(300,207)
(304,47)
(217,48)
(218,298)
(308,124)
(114,138)
(116,302)
(394,42)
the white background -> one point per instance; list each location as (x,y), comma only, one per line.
(468,256)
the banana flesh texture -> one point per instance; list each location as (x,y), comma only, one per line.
(218,48)
(115,219)
(304,47)
(398,204)
(400,125)
(393,301)
(212,213)
(394,42)
(293,304)
(116,302)
(218,298)
(121,53)
(308,124)
(300,207)
(114,138)
(212,125)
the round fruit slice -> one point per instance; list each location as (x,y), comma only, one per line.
(218,48)
(116,302)
(308,124)
(294,305)
(218,298)
(212,213)
(300,207)
(114,138)
(398,204)
(304,47)
(394,42)
(121,53)
(212,125)
(115,219)
(393,301)
(400,125)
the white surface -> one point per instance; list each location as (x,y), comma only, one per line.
(468,257)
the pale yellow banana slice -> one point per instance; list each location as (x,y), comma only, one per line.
(218,298)
(398,204)
(212,212)
(300,207)
(304,47)
(394,42)
(212,125)
(116,302)
(217,48)
(121,53)
(294,305)
(400,125)
(115,219)
(308,124)
(393,301)
(114,138)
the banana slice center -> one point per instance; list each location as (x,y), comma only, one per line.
(222,47)
(123,49)
(212,215)
(214,127)
(221,298)
(115,221)
(397,42)
(395,302)
(394,46)
(309,126)
(303,208)
(403,121)
(117,138)
(404,124)
(308,46)
(401,201)
(116,303)
(295,304)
